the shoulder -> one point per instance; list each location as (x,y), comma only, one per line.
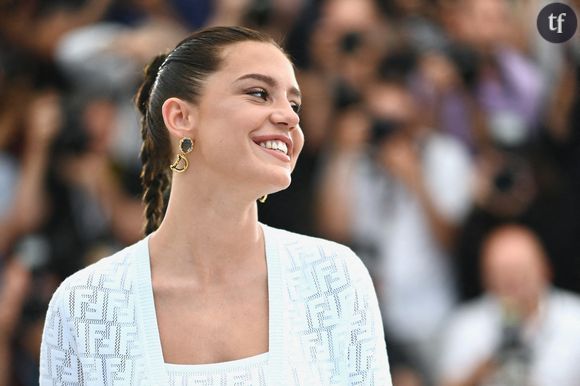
(96,283)
(565,308)
(474,315)
(476,308)
(92,317)
(106,272)
(566,300)
(470,336)
(319,255)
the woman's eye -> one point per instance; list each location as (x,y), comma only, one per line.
(260,93)
(296,107)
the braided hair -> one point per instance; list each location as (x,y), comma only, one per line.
(180,73)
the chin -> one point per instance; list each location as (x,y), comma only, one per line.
(278,181)
(283,183)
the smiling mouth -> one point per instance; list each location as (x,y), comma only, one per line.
(276,145)
(275,149)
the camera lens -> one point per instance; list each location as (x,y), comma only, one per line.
(504,180)
(350,42)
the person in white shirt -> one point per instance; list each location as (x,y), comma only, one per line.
(521,331)
(211,296)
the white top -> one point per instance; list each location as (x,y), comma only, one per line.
(417,291)
(324,323)
(474,335)
(242,372)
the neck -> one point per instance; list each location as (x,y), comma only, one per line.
(207,237)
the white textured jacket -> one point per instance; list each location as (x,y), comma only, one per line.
(325,326)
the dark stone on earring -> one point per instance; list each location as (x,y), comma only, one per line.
(186,145)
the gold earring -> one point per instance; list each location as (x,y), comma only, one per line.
(263,198)
(186,146)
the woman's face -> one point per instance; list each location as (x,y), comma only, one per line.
(248,132)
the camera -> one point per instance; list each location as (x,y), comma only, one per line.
(350,42)
(382,129)
(504,179)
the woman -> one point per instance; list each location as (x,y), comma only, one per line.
(211,296)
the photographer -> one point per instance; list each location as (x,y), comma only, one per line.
(522,331)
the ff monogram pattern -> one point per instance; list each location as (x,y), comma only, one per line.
(250,371)
(325,325)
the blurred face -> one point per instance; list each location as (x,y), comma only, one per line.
(483,23)
(514,268)
(393,103)
(248,130)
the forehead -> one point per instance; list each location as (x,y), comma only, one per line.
(513,248)
(256,57)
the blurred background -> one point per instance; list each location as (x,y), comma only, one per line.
(429,125)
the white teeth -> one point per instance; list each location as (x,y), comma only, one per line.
(275,145)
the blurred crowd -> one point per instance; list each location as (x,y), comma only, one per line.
(442,145)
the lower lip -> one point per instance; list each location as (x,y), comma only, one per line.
(275,153)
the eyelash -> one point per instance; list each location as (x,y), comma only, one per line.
(264,95)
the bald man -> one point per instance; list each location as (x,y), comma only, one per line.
(522,331)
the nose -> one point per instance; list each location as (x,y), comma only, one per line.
(284,115)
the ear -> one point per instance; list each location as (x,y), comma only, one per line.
(180,117)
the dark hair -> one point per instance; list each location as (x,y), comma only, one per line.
(181,74)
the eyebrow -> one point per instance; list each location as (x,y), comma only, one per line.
(269,81)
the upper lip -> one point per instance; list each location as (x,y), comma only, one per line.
(273,137)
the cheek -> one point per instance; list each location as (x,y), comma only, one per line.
(229,124)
